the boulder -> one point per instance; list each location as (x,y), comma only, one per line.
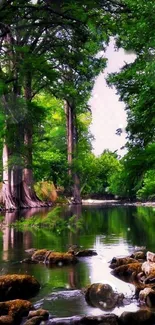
(102,296)
(139,255)
(150,256)
(148,267)
(13,286)
(39,312)
(140,317)
(147,295)
(51,258)
(115,262)
(11,312)
(128,269)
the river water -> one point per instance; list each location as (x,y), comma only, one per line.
(110,230)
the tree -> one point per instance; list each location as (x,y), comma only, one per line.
(42,46)
(135,85)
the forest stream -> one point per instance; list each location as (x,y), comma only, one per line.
(109,230)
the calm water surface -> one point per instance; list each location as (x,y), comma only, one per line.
(111,231)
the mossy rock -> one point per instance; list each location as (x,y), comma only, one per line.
(139,255)
(147,295)
(11,312)
(128,269)
(115,262)
(54,258)
(39,255)
(14,286)
(140,317)
(102,296)
(39,312)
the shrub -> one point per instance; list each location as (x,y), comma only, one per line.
(46,191)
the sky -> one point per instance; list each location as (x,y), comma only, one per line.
(108,113)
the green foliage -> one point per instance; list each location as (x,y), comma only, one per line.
(148,188)
(135,84)
(49,147)
(96,172)
(52,220)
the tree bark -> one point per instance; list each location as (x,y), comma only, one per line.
(29,197)
(72,152)
(69,127)
(7,198)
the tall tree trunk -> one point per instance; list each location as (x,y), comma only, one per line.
(69,127)
(29,197)
(72,152)
(8,200)
(76,179)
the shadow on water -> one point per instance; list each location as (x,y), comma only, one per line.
(112,231)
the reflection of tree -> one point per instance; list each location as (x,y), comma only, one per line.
(75,210)
(8,233)
(144,220)
(134,224)
(72,277)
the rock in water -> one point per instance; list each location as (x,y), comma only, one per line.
(115,262)
(148,267)
(150,256)
(102,296)
(148,296)
(12,311)
(140,317)
(14,286)
(51,258)
(127,269)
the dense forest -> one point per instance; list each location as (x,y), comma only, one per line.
(49,61)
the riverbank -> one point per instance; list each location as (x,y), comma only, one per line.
(117,202)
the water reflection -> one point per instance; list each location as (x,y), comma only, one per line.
(101,226)
(112,231)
